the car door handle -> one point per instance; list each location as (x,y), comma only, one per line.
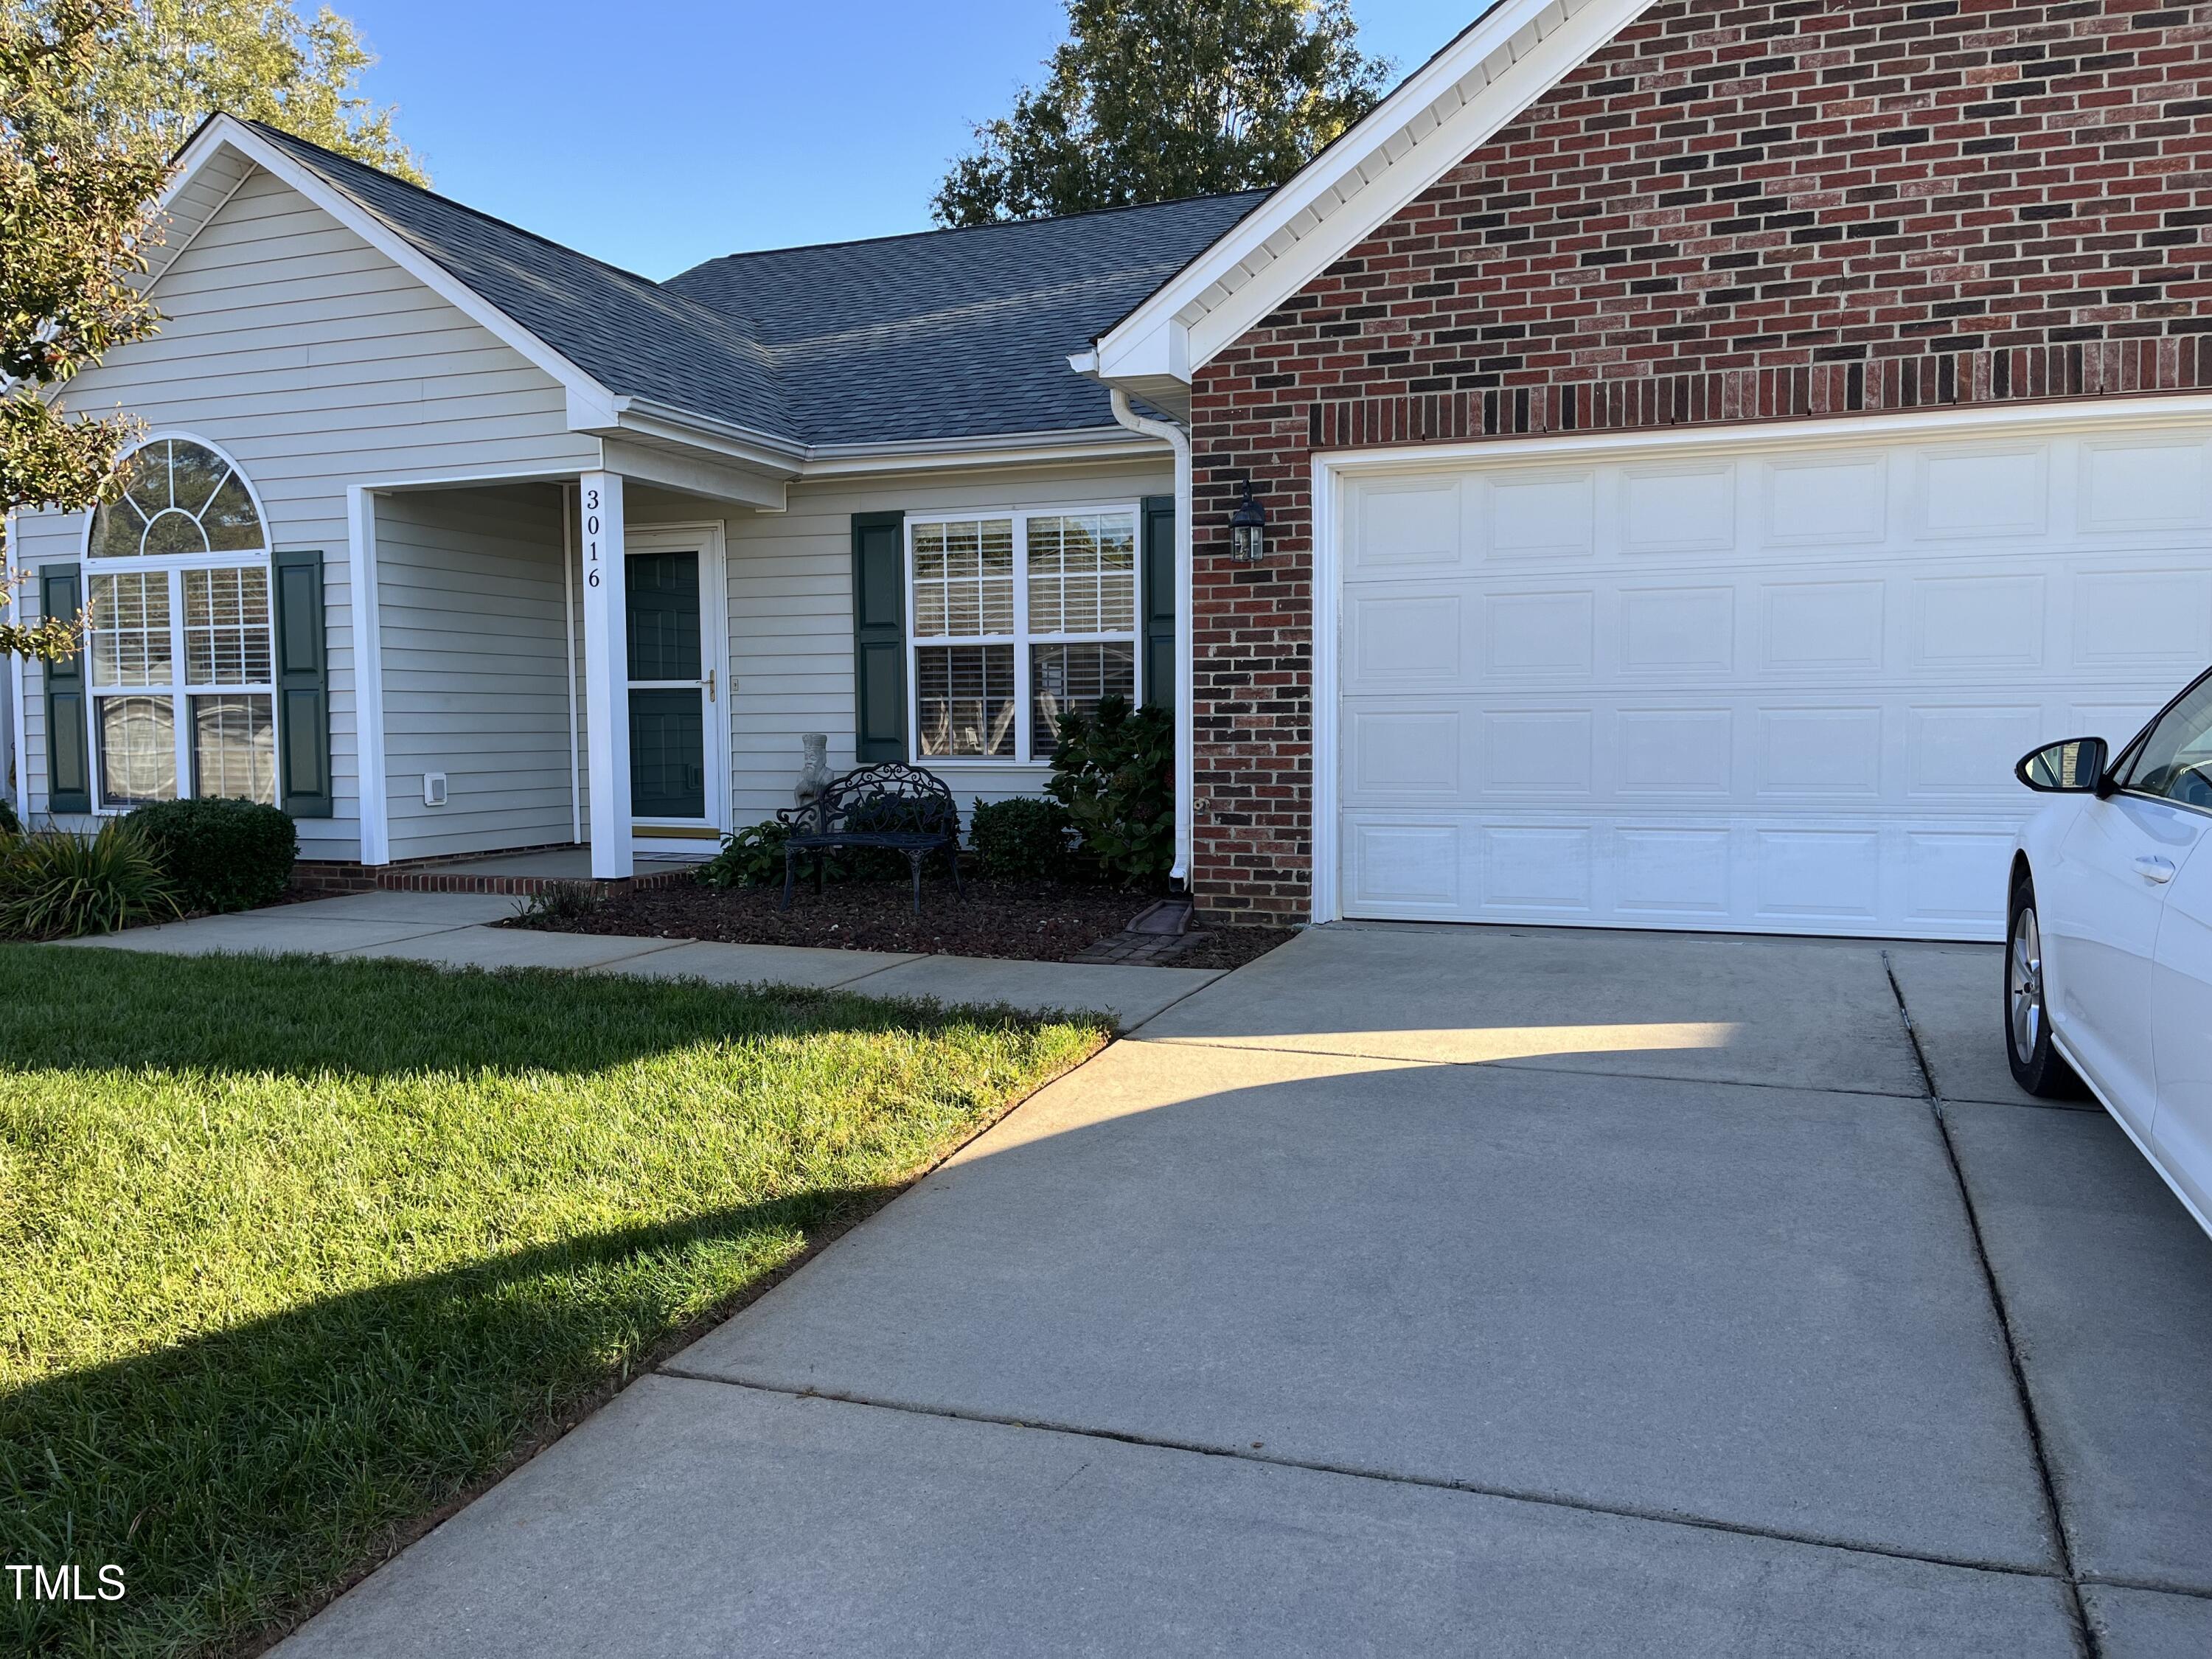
(2152,868)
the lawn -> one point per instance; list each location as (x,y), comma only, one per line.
(294,1253)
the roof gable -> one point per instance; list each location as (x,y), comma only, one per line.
(1453,105)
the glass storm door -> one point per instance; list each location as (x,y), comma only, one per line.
(671,691)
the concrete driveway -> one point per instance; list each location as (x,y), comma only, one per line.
(1430,1291)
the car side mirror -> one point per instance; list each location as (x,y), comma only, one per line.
(2073,767)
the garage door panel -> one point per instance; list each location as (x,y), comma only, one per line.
(1977,622)
(1677,873)
(1677,509)
(2158,483)
(1776,690)
(1403,639)
(1983,492)
(2142,620)
(1822,626)
(1549,635)
(1828,502)
(1676,633)
(1968,751)
(1547,515)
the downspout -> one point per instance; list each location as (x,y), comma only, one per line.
(1186,745)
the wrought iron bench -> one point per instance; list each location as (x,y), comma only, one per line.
(897,807)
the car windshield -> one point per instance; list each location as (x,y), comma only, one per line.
(2176,762)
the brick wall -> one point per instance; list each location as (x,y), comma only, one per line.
(1730,213)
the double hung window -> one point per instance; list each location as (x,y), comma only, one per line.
(1017,619)
(178,648)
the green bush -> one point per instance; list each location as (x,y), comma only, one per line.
(562,905)
(10,823)
(751,857)
(1024,839)
(55,884)
(220,854)
(1115,773)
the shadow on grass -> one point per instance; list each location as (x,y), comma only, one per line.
(240,1477)
(306,1015)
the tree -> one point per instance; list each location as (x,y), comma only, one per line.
(1147,100)
(94,96)
(76,191)
(182,59)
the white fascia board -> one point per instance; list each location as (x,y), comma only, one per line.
(643,417)
(586,394)
(695,472)
(1077,443)
(1444,112)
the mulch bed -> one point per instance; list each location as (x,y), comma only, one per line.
(1026,920)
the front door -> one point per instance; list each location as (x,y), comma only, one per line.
(675,698)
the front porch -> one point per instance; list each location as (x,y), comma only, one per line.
(543,685)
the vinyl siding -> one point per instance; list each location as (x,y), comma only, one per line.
(472,599)
(791,612)
(317,364)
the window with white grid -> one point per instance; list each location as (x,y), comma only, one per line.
(179,643)
(1017,619)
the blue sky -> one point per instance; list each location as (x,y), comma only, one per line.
(663,132)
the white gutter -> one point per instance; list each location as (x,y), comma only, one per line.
(1186,747)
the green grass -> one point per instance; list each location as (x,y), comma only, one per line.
(294,1253)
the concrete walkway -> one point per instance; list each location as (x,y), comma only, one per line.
(450,929)
(1430,1292)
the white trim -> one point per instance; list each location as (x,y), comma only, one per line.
(1021,641)
(179,435)
(584,390)
(599,511)
(1444,111)
(1332,468)
(707,538)
(19,725)
(568,641)
(367,602)
(1006,449)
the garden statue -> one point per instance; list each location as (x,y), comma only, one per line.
(814,771)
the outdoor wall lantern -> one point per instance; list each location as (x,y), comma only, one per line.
(1247,529)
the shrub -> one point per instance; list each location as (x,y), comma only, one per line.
(10,823)
(220,854)
(1115,773)
(563,904)
(1024,839)
(59,885)
(751,857)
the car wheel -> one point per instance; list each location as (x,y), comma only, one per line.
(2036,1066)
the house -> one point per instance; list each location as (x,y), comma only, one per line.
(1699,449)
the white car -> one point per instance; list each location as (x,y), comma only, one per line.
(2108,956)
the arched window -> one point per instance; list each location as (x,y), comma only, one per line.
(183,700)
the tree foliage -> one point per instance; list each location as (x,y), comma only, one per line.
(76,189)
(94,96)
(181,60)
(1149,100)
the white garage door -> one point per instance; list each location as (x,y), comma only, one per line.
(1778,689)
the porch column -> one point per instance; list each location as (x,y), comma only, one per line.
(606,671)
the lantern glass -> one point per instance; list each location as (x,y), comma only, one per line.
(1247,530)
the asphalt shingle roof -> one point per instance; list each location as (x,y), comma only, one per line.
(942,334)
(956,333)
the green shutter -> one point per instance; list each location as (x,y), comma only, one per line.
(303,691)
(1159,552)
(879,636)
(69,764)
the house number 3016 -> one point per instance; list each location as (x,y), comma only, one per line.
(591,538)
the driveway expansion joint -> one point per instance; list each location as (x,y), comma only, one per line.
(1242,1453)
(2084,1632)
